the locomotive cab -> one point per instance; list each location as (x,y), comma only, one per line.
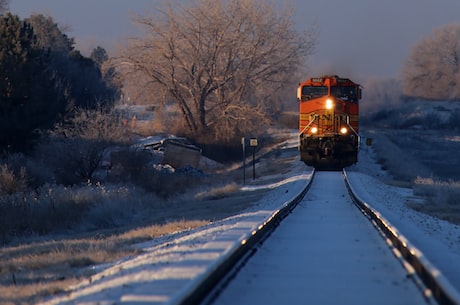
(328,122)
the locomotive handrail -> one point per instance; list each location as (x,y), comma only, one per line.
(354,131)
(348,124)
(311,122)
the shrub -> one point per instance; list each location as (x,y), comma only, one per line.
(127,164)
(454,120)
(57,208)
(395,160)
(73,151)
(438,192)
(167,184)
(37,172)
(142,168)
(11,182)
(71,160)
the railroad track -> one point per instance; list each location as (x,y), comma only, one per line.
(432,283)
(333,255)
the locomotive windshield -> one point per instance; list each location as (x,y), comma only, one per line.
(349,93)
(310,92)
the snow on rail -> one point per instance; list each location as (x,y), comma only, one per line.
(436,285)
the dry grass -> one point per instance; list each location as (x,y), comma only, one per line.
(11,182)
(218,192)
(413,160)
(35,270)
(36,267)
(442,198)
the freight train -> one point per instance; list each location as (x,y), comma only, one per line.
(329,121)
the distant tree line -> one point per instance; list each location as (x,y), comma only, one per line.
(432,70)
(4,4)
(43,79)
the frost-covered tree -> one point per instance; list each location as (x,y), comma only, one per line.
(50,35)
(220,63)
(380,94)
(4,5)
(432,70)
(42,77)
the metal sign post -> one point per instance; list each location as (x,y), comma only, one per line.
(244,160)
(253,144)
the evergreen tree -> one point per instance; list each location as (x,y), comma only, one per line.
(99,55)
(17,43)
(82,77)
(49,35)
(27,86)
(43,78)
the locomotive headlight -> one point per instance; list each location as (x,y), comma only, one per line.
(329,104)
(314,130)
(343,130)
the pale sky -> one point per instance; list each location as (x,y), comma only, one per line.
(357,38)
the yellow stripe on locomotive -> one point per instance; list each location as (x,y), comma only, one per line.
(329,121)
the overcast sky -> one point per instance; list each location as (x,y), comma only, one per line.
(357,38)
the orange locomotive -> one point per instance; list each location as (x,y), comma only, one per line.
(328,122)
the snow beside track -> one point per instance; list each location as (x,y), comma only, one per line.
(172,265)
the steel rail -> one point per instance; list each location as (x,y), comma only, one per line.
(435,284)
(201,288)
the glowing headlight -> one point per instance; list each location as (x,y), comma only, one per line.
(329,104)
(343,130)
(314,130)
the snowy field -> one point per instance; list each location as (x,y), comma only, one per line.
(439,240)
(173,265)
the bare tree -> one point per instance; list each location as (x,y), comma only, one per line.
(432,70)
(220,62)
(75,149)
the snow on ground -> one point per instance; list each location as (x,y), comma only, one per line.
(172,265)
(325,236)
(439,240)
